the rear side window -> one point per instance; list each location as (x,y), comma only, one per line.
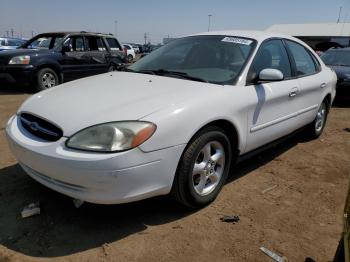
(95,43)
(272,54)
(305,64)
(113,44)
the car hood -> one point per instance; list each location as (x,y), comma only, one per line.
(110,97)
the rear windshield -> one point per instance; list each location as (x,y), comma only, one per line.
(336,57)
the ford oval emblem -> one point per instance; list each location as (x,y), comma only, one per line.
(34,126)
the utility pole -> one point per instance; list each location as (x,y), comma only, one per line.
(32,33)
(209,18)
(339,15)
(145,37)
(12,32)
(7,33)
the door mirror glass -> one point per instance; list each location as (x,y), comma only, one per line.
(270,74)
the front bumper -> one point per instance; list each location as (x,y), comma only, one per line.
(16,74)
(94,177)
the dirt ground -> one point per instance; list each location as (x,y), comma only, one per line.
(299,217)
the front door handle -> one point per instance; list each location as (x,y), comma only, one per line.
(293,92)
(323,85)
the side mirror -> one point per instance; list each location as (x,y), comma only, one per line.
(65,49)
(270,75)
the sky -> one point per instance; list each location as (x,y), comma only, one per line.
(130,20)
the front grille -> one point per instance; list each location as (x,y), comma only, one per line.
(40,127)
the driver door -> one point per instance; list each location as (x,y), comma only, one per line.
(275,108)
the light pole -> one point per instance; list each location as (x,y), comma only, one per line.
(116,27)
(209,18)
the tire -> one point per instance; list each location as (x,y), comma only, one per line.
(111,68)
(200,175)
(45,78)
(315,129)
(130,58)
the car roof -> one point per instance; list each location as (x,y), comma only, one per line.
(76,33)
(258,35)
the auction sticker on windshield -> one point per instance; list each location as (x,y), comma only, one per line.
(237,40)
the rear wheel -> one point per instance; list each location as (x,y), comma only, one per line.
(130,58)
(203,168)
(315,129)
(45,79)
(111,68)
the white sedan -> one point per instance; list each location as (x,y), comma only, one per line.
(175,121)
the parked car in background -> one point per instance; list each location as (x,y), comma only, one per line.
(130,52)
(339,60)
(176,121)
(7,43)
(53,58)
(136,48)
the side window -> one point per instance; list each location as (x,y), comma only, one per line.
(95,43)
(113,44)
(100,45)
(75,43)
(272,54)
(79,44)
(304,63)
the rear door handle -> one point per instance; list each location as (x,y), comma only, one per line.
(323,85)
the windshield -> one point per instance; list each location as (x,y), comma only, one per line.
(214,59)
(49,41)
(336,57)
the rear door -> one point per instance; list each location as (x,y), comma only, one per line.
(311,81)
(273,113)
(75,60)
(117,54)
(98,53)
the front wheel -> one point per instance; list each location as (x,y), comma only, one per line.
(203,168)
(45,79)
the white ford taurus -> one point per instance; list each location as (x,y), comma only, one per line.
(175,121)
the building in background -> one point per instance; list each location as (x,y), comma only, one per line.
(319,36)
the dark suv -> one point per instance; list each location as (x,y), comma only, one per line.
(53,58)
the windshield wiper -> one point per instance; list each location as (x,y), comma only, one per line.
(163,72)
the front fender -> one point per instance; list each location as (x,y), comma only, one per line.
(177,124)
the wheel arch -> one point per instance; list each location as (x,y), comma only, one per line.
(230,130)
(328,99)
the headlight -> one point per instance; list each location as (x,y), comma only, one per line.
(20,60)
(112,137)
